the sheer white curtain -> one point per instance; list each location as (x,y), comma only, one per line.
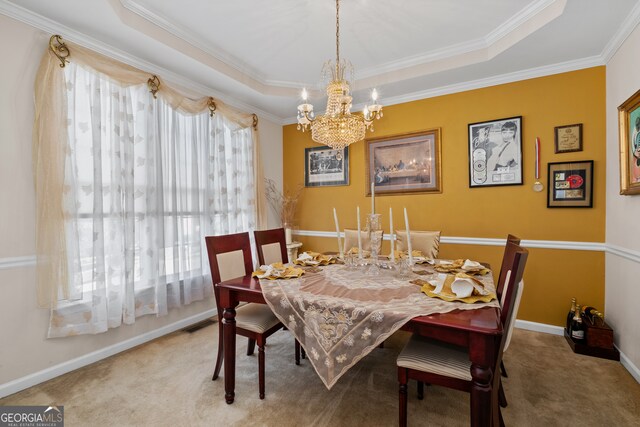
(144,183)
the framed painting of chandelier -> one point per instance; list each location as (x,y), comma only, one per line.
(407,163)
(324,166)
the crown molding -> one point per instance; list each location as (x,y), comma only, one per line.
(627,27)
(184,41)
(532,73)
(513,30)
(50,26)
(510,32)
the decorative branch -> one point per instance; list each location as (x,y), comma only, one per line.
(283,204)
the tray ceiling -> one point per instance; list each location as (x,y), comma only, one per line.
(259,54)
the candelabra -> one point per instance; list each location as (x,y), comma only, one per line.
(374,230)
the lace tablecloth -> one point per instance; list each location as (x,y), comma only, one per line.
(340,315)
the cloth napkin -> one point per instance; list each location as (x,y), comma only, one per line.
(448,266)
(354,251)
(306,259)
(464,286)
(314,258)
(474,267)
(438,283)
(277,271)
(469,289)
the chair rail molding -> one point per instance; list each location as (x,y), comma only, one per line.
(483,241)
(19,261)
(629,254)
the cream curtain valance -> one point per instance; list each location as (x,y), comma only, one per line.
(50,145)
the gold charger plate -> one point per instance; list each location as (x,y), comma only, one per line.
(447,294)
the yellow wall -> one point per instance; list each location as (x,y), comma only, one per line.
(552,276)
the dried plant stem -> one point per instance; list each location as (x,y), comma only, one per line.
(285,204)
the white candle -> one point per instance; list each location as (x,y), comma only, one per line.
(537,158)
(335,217)
(393,255)
(406,223)
(359,237)
(373,197)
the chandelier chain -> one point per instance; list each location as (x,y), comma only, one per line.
(337,34)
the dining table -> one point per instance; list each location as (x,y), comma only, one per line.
(479,330)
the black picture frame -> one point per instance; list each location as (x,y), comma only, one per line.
(570,184)
(326,166)
(495,152)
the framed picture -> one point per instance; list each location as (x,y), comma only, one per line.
(408,163)
(568,138)
(324,166)
(629,134)
(495,152)
(570,185)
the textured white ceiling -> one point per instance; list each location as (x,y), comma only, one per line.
(258,53)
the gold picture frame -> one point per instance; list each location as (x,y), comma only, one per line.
(404,164)
(568,138)
(629,137)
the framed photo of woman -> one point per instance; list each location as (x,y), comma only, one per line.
(495,152)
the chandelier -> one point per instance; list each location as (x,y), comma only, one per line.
(337,127)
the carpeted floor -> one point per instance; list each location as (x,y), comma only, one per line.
(167,382)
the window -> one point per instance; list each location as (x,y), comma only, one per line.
(144,183)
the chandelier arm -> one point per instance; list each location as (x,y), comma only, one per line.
(308,117)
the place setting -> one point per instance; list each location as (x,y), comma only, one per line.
(277,270)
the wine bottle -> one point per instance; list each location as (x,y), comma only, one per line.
(577,327)
(588,312)
(570,315)
(598,315)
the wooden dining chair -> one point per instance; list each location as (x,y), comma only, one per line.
(351,240)
(229,258)
(428,242)
(510,249)
(509,333)
(271,246)
(507,257)
(447,365)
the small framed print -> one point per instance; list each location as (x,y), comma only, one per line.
(569,138)
(570,185)
(325,166)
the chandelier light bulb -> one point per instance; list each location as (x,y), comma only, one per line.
(374,95)
(305,95)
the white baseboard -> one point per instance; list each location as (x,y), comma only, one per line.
(558,330)
(633,369)
(539,327)
(54,371)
